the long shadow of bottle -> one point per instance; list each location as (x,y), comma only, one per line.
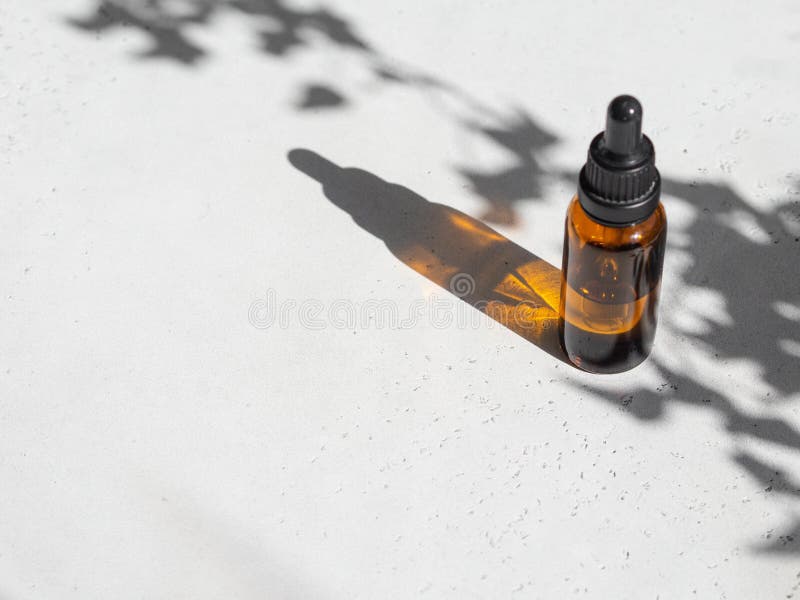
(458,253)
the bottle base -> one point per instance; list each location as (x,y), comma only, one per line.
(603,353)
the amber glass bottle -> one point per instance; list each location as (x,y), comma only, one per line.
(613,248)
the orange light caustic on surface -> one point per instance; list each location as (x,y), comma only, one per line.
(482,231)
(509,284)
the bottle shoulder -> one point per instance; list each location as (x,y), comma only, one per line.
(581,225)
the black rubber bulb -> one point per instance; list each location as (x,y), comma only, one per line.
(623,133)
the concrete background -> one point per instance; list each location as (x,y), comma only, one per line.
(162,437)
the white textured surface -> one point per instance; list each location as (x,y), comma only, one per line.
(155,444)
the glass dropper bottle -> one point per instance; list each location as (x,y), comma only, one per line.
(614,242)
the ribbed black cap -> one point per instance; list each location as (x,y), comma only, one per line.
(619,184)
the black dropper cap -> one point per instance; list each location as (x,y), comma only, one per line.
(619,184)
